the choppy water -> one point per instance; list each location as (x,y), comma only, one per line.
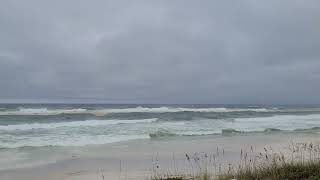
(80,125)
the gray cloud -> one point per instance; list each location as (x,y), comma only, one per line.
(160,51)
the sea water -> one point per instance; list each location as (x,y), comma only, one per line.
(65,125)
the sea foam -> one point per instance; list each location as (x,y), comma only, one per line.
(70,131)
(139,109)
(87,123)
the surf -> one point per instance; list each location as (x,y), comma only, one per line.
(85,123)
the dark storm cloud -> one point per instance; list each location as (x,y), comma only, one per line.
(160,51)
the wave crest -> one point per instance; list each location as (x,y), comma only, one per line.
(229,131)
(162,133)
(88,123)
(139,109)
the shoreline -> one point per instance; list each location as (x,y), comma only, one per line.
(135,159)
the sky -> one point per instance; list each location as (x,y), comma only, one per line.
(166,51)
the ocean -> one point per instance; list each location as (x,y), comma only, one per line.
(47,125)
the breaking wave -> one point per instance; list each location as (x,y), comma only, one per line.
(102,112)
(43,111)
(228,131)
(162,133)
(81,130)
(87,123)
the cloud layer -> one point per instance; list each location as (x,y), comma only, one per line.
(160,51)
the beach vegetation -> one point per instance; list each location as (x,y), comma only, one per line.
(299,161)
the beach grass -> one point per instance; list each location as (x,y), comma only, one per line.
(300,161)
(291,171)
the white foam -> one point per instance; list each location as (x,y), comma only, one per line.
(33,110)
(198,133)
(283,122)
(173,109)
(88,123)
(79,133)
(45,111)
(254,124)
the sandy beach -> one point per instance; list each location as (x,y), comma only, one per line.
(136,159)
(159,90)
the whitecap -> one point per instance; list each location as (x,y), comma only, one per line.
(88,123)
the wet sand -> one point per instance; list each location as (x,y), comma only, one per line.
(138,159)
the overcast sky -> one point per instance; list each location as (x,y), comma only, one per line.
(165,51)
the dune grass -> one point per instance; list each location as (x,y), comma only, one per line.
(291,171)
(300,161)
